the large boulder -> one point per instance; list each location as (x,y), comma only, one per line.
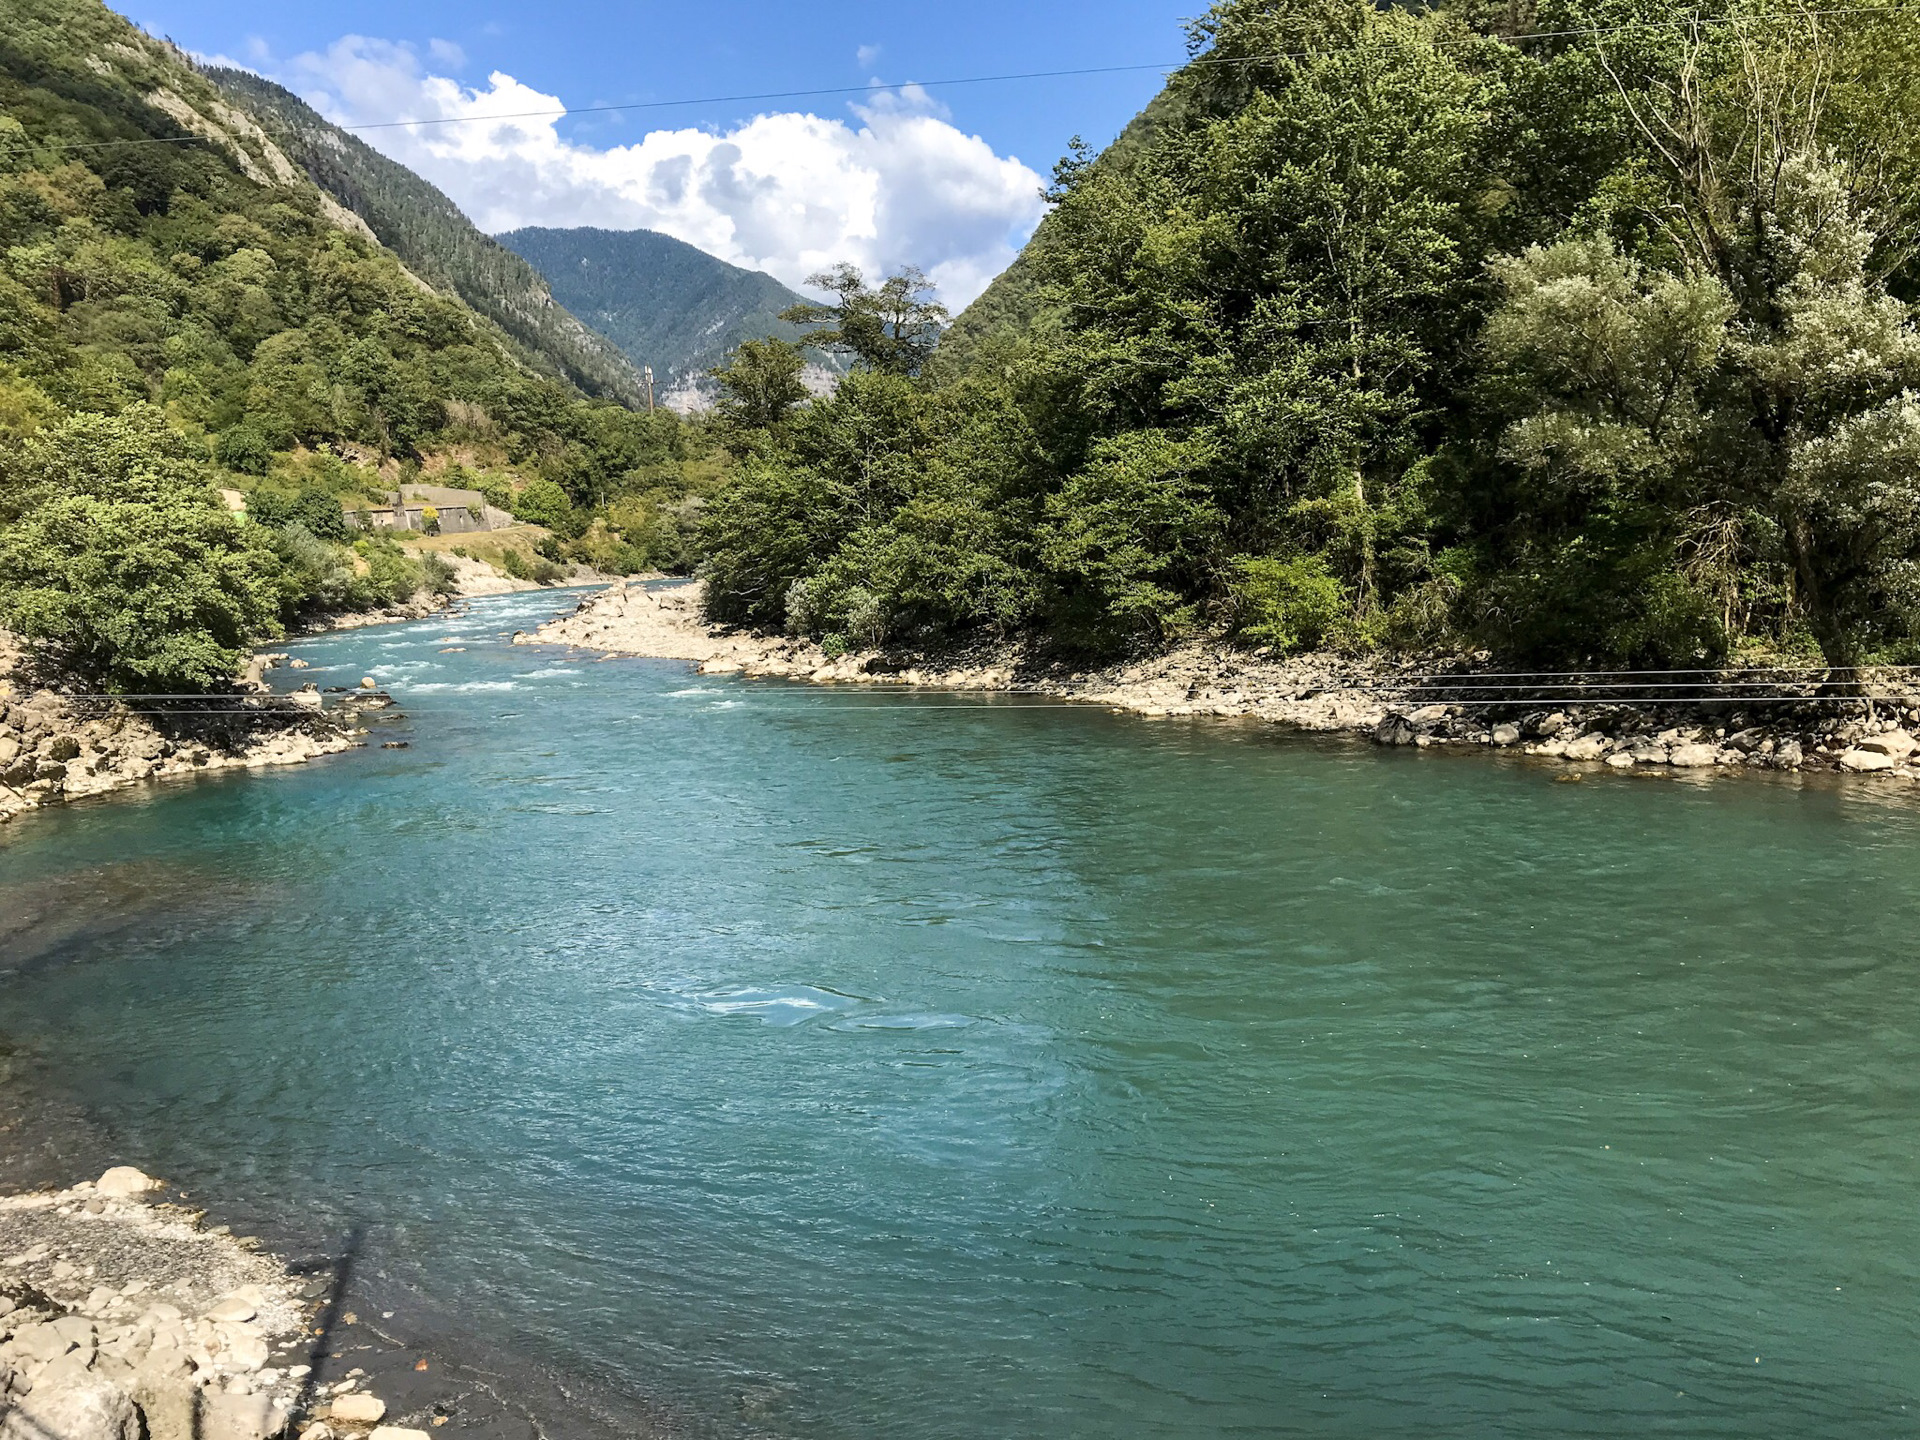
(1865,759)
(123,1181)
(1692,757)
(82,1407)
(1395,730)
(1897,744)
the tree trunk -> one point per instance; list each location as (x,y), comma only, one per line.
(1835,640)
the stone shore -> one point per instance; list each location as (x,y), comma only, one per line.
(56,747)
(122,1318)
(1381,698)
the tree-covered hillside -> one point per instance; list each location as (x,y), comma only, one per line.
(1581,331)
(438,243)
(662,301)
(182,310)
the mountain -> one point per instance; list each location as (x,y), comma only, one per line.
(438,243)
(664,302)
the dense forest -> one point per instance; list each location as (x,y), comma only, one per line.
(182,311)
(1580,333)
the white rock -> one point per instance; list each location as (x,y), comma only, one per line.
(247,1352)
(1864,759)
(357,1409)
(1506,734)
(233,1307)
(1620,761)
(40,1342)
(397,1432)
(1587,747)
(1896,743)
(1689,757)
(123,1181)
(240,1417)
(82,1408)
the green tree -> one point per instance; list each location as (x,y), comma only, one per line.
(123,561)
(892,327)
(760,384)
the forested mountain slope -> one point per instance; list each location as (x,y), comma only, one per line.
(437,242)
(664,302)
(1581,332)
(183,310)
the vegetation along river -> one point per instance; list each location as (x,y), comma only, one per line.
(829,1063)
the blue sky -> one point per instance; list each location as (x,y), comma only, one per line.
(782,185)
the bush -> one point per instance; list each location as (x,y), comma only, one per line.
(124,561)
(544,503)
(244,449)
(1290,604)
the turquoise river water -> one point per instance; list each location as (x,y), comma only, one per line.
(834,1063)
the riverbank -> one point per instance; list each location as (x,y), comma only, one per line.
(1394,702)
(57,747)
(125,1315)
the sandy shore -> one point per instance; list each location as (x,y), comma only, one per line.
(1388,700)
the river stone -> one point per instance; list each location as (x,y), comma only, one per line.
(40,1342)
(233,1307)
(1692,757)
(82,1408)
(397,1432)
(1587,747)
(1395,730)
(226,1416)
(357,1409)
(1508,734)
(1620,760)
(1895,743)
(1867,760)
(123,1181)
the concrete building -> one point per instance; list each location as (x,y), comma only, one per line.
(454,512)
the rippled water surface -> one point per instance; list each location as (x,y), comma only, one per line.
(842,1064)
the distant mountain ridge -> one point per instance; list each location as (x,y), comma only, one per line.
(664,302)
(436,241)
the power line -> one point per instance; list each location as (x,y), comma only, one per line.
(1165,68)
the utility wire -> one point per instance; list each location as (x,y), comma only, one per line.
(1199,61)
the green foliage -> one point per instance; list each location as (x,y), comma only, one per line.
(892,327)
(153,275)
(245,448)
(438,243)
(1380,328)
(123,561)
(1289,603)
(759,385)
(544,503)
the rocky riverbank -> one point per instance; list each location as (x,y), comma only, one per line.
(1394,702)
(57,747)
(124,1318)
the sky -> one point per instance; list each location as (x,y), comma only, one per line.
(945,177)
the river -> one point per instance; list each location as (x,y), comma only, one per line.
(824,1062)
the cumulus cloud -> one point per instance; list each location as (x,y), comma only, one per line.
(789,193)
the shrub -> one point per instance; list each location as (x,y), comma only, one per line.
(1290,604)
(244,449)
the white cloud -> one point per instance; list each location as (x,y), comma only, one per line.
(787,193)
(447,53)
(866,55)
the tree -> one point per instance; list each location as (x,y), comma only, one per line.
(124,561)
(893,327)
(760,384)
